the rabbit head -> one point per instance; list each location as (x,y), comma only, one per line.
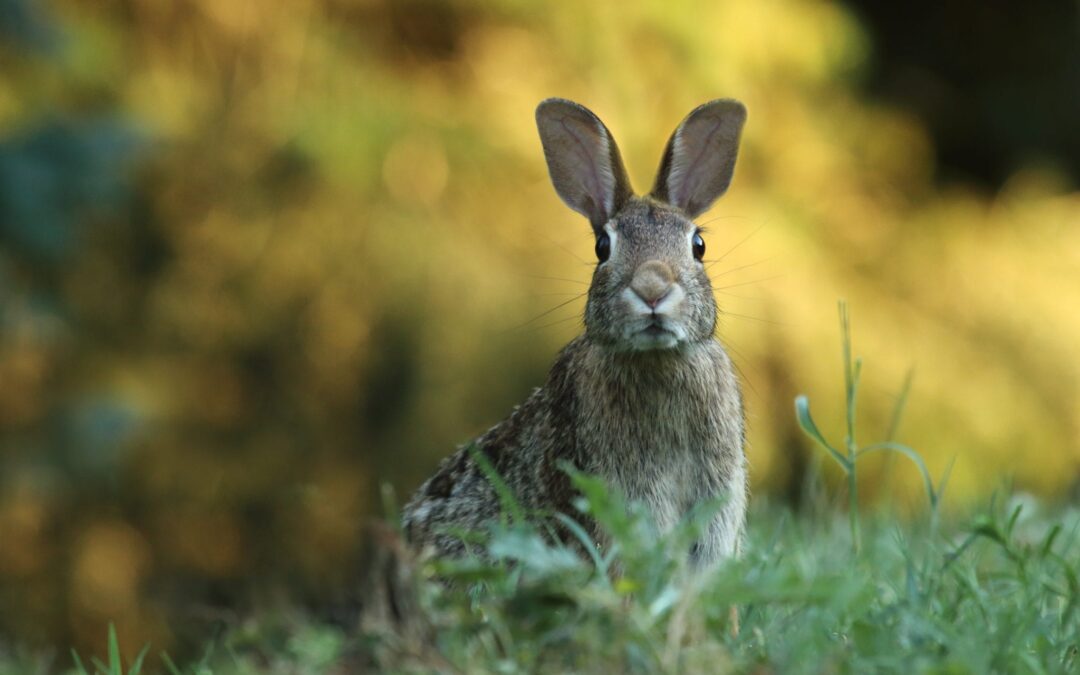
(650,290)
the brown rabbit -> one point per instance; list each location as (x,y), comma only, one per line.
(646,398)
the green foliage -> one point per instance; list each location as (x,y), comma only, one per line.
(848,459)
(115,666)
(997,592)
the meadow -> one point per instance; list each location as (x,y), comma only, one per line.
(827,590)
(993,592)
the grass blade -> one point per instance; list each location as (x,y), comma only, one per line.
(170,665)
(586,541)
(901,404)
(806,422)
(116,667)
(915,458)
(507,499)
(78,663)
(137,664)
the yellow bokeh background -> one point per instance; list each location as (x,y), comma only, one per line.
(346,253)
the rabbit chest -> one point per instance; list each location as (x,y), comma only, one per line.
(666,429)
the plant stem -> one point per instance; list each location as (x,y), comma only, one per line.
(851,385)
(853,510)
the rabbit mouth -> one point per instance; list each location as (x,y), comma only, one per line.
(655,330)
(654,335)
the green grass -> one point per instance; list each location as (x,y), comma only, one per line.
(115,665)
(995,593)
(825,590)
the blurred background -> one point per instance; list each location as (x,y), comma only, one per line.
(258,259)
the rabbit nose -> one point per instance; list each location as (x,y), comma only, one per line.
(652,282)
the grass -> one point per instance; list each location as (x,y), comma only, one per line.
(996,591)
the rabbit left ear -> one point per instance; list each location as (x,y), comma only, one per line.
(699,160)
(583,160)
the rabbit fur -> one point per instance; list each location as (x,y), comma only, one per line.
(646,398)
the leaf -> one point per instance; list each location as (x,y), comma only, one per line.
(606,506)
(115,665)
(1011,525)
(806,422)
(78,663)
(985,527)
(170,664)
(136,666)
(530,550)
(945,478)
(665,601)
(507,499)
(586,541)
(928,483)
(1048,542)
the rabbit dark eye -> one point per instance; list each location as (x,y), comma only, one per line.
(603,247)
(699,246)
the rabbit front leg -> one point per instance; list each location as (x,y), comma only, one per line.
(722,539)
(723,535)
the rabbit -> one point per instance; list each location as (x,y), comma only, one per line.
(646,398)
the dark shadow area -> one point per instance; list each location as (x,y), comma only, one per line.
(997,83)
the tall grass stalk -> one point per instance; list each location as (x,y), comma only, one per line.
(852,451)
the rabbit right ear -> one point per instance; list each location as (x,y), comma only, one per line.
(700,157)
(583,160)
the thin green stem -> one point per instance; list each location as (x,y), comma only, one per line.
(851,385)
(853,506)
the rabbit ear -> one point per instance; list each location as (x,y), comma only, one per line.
(700,157)
(583,160)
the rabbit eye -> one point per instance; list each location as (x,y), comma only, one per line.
(603,247)
(699,246)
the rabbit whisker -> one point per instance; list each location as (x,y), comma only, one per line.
(572,281)
(562,246)
(747,283)
(543,314)
(716,218)
(746,380)
(741,242)
(556,322)
(750,318)
(736,269)
(740,297)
